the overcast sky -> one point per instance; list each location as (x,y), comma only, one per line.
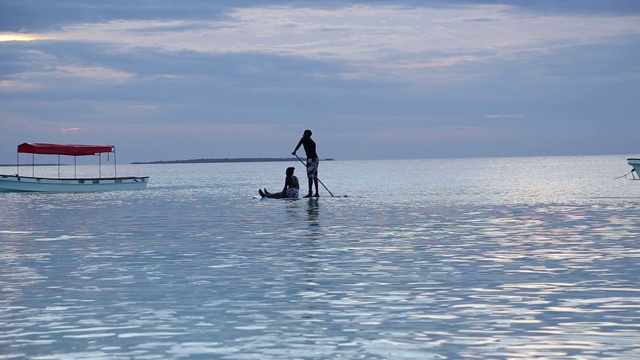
(169,79)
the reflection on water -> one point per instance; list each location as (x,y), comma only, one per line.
(181,272)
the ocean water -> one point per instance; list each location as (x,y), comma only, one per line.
(497,258)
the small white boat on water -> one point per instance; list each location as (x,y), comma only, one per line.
(635,163)
(20,183)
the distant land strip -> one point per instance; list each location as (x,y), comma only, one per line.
(30,165)
(225,160)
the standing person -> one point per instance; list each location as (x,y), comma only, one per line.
(312,161)
(290,189)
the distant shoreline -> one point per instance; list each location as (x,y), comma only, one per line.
(25,165)
(224,160)
(190,161)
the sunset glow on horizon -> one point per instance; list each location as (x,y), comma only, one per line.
(15,37)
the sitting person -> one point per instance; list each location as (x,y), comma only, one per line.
(290,190)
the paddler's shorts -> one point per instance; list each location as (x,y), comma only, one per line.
(312,167)
(292,193)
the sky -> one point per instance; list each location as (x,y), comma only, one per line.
(401,79)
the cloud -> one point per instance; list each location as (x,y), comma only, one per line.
(504,116)
(440,133)
(91,72)
(53,75)
(70,130)
(406,42)
(146,108)
(15,86)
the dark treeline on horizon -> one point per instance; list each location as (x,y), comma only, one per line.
(224,160)
(25,165)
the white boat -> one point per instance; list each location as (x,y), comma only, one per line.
(20,183)
(635,163)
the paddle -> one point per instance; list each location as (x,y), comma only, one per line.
(305,165)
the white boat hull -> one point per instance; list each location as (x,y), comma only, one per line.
(635,163)
(14,183)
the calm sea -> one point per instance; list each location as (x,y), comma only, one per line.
(497,258)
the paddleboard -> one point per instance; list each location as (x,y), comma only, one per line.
(299,198)
(266,198)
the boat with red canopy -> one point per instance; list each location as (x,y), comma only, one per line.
(21,183)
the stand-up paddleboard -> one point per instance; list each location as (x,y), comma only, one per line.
(266,198)
(293,195)
(299,198)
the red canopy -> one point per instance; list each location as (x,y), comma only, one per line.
(60,149)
